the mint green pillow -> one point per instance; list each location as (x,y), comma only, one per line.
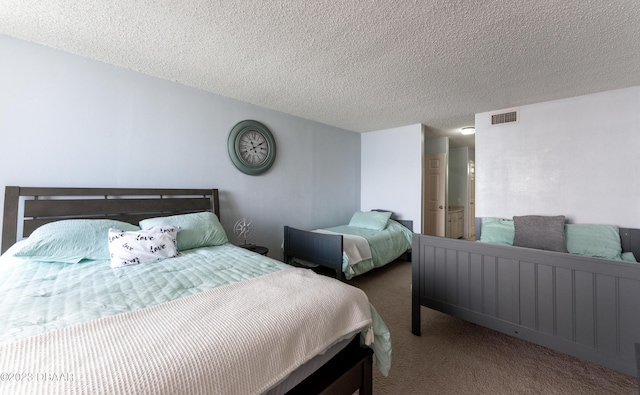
(497,231)
(601,241)
(628,257)
(373,220)
(201,229)
(72,240)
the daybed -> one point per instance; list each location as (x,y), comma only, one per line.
(209,318)
(581,305)
(370,240)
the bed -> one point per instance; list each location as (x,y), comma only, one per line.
(585,306)
(205,319)
(370,240)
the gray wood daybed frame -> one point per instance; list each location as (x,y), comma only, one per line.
(26,208)
(583,306)
(321,248)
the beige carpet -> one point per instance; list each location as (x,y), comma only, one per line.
(456,357)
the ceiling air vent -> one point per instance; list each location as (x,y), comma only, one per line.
(504,117)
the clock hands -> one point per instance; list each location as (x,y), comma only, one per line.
(251,153)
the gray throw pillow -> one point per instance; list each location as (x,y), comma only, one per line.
(541,232)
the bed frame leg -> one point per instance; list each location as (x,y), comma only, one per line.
(366,387)
(415,318)
(415,286)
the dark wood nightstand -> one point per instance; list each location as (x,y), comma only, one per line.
(257,249)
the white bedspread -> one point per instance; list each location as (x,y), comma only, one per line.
(356,248)
(240,338)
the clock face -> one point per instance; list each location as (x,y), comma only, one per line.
(251,147)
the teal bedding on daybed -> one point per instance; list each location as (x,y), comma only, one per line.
(386,245)
(552,233)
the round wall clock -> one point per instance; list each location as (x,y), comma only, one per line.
(251,147)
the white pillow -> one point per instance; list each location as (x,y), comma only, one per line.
(143,246)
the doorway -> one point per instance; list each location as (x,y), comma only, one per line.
(435,184)
(448,183)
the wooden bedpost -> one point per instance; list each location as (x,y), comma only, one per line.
(10,217)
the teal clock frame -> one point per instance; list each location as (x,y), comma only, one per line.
(233,147)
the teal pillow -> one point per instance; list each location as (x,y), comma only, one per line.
(601,241)
(71,241)
(373,220)
(201,229)
(497,231)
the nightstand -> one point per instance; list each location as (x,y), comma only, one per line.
(257,249)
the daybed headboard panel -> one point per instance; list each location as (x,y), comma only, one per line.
(43,205)
(575,304)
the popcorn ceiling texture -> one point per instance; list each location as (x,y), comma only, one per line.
(359,65)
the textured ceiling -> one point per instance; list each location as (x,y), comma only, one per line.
(361,65)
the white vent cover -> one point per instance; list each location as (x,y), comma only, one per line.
(510,116)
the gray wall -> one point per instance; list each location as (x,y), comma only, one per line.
(70,121)
(576,157)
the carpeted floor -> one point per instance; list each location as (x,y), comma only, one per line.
(456,357)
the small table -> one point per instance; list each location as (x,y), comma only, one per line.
(257,249)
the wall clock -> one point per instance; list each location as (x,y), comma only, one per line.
(251,147)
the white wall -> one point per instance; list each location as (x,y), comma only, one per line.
(576,157)
(391,172)
(70,121)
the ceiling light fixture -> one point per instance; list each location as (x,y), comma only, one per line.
(468,130)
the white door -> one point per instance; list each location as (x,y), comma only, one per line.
(435,187)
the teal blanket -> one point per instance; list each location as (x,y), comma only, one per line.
(386,246)
(38,297)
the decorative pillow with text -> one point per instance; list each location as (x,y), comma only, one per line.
(143,246)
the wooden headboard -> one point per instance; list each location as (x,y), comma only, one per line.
(38,206)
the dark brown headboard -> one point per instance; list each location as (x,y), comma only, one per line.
(43,205)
